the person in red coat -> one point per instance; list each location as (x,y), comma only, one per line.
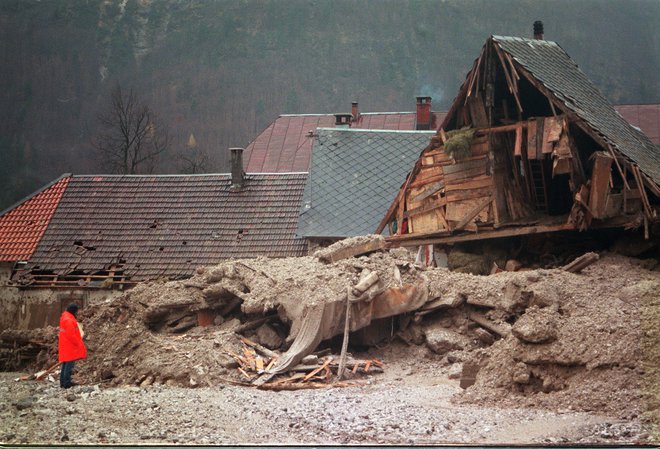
(71,346)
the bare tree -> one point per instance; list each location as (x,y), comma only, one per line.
(132,138)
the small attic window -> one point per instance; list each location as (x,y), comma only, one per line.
(78,243)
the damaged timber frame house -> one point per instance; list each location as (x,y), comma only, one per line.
(529,146)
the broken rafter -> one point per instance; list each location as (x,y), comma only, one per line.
(645,199)
(474,77)
(618,166)
(509,78)
(581,262)
(570,114)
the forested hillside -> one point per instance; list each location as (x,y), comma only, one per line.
(222,70)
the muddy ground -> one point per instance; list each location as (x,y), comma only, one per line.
(544,356)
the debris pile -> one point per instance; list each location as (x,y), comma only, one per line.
(555,338)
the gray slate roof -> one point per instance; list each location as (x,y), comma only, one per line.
(167,225)
(550,65)
(354,177)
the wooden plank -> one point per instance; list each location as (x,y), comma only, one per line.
(581,262)
(501,329)
(517,149)
(477,112)
(645,200)
(546,144)
(471,183)
(600,177)
(388,215)
(426,208)
(468,194)
(425,222)
(540,126)
(431,189)
(554,126)
(423,182)
(429,172)
(460,176)
(427,160)
(531,139)
(463,166)
(473,213)
(352,251)
(412,240)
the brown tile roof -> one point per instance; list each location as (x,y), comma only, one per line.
(644,116)
(22,226)
(166,226)
(286,145)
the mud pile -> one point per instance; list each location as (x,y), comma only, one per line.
(541,338)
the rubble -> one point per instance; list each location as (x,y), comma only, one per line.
(541,338)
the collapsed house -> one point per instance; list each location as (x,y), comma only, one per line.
(529,146)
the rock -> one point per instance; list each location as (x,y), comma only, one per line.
(469,374)
(451,300)
(268,337)
(484,336)
(107,374)
(441,340)
(215,275)
(463,262)
(455,371)
(516,297)
(147,381)
(216,295)
(512,265)
(218,320)
(24,403)
(230,325)
(311,359)
(536,326)
(413,335)
(227,362)
(520,373)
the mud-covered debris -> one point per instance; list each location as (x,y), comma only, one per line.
(351,247)
(536,325)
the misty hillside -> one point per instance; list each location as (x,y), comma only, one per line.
(223,70)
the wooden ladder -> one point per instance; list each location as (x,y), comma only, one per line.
(538,184)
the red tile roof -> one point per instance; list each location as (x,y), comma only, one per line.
(167,225)
(22,226)
(644,116)
(286,145)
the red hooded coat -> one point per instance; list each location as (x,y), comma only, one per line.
(71,346)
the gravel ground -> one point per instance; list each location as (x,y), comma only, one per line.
(413,409)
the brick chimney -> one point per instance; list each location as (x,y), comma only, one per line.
(423,113)
(355,111)
(538,30)
(237,173)
(343,120)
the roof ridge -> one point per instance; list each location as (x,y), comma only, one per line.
(391,131)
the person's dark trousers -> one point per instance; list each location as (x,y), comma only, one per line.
(65,374)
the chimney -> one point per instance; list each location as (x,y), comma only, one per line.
(355,111)
(423,113)
(343,120)
(237,173)
(538,30)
